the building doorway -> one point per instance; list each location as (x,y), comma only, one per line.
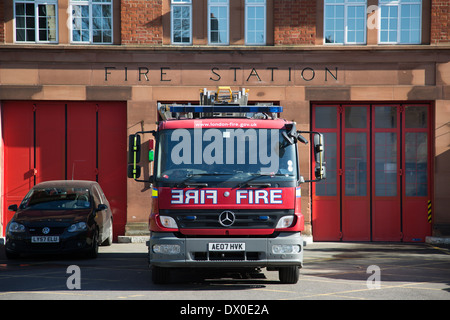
(65,140)
(378,159)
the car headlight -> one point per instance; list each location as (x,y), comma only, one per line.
(16,227)
(77,227)
(168,222)
(285,222)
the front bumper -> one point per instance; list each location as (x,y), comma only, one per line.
(77,242)
(193,252)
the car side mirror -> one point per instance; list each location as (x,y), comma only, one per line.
(13,207)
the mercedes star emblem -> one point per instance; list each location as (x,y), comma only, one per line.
(226,218)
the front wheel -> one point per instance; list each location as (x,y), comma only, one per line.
(109,240)
(93,251)
(289,275)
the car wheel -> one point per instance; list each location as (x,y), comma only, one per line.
(93,251)
(109,240)
(289,275)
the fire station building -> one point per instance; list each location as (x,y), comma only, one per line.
(78,76)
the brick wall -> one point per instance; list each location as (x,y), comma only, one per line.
(440,21)
(2,22)
(294,22)
(141,21)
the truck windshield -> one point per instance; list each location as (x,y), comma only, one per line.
(216,154)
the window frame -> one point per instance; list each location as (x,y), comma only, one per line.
(180,3)
(36,4)
(90,4)
(399,4)
(249,4)
(219,3)
(346,4)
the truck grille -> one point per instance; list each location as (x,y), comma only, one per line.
(226,256)
(204,219)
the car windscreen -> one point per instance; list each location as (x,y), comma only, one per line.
(225,154)
(57,198)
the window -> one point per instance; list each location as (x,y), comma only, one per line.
(345,21)
(255,22)
(181,19)
(36,21)
(218,13)
(400,21)
(91,21)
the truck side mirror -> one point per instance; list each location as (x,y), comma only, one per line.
(134,148)
(133,171)
(134,156)
(319,155)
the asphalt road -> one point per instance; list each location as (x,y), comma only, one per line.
(332,271)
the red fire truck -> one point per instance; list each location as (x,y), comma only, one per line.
(225,187)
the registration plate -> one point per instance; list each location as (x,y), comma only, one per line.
(45,239)
(236,246)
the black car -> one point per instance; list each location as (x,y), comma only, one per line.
(60,217)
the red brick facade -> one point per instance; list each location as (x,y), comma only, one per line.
(141,22)
(440,21)
(2,22)
(294,22)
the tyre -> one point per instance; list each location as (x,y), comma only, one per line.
(93,251)
(160,275)
(109,240)
(289,275)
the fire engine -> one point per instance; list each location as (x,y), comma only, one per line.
(225,186)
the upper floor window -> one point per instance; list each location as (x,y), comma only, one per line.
(345,21)
(181,20)
(91,21)
(36,21)
(400,21)
(218,22)
(255,22)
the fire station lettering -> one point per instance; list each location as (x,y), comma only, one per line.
(272,196)
(243,196)
(194,196)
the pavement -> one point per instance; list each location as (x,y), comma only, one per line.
(332,271)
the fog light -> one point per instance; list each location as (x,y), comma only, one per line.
(166,248)
(285,248)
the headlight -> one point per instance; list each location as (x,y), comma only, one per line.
(168,222)
(285,248)
(76,227)
(285,222)
(16,227)
(166,248)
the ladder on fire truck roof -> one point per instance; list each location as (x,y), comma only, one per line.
(223,103)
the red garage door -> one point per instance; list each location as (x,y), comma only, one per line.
(57,140)
(378,184)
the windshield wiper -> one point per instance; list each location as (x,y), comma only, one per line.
(262,184)
(267,174)
(208,174)
(200,184)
